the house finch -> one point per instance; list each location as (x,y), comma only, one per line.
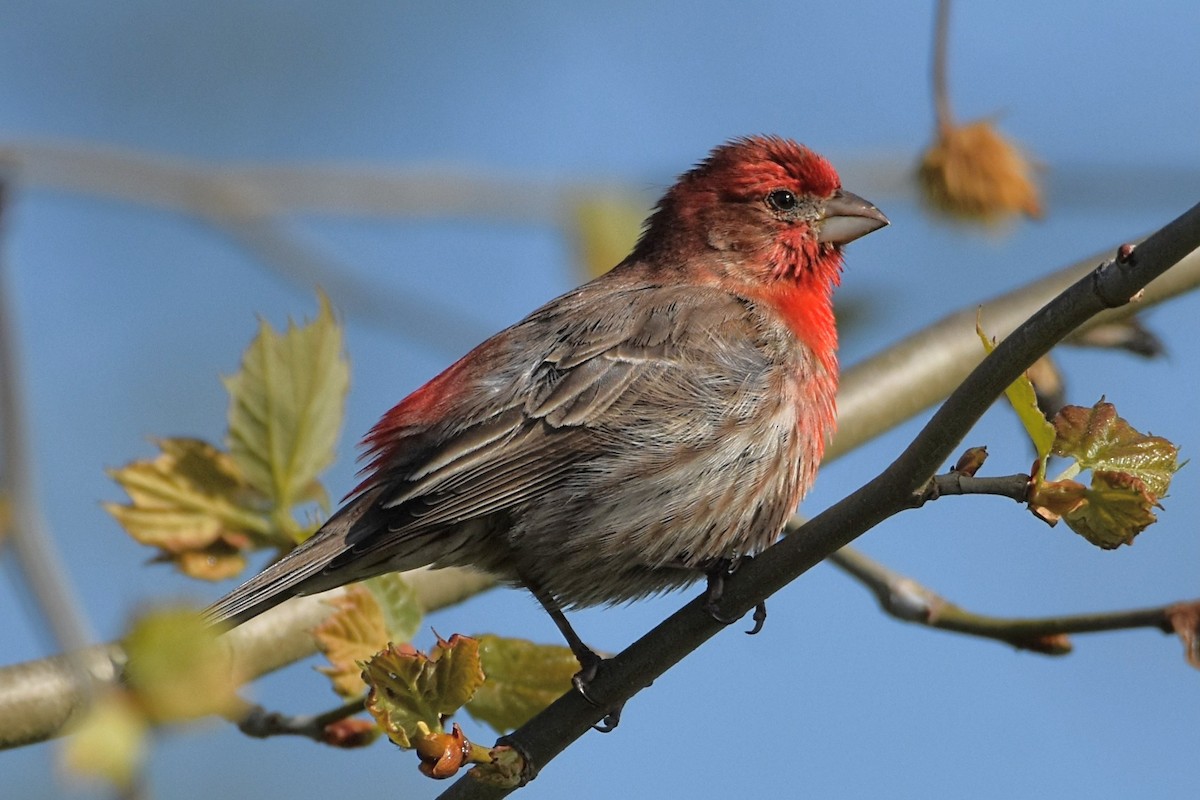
(631,436)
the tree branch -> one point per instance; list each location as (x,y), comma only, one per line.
(260,723)
(1014,487)
(620,678)
(941,92)
(40,566)
(38,698)
(906,599)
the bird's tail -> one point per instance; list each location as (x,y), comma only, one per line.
(302,571)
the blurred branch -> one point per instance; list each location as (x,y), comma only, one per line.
(38,699)
(262,724)
(32,545)
(898,383)
(904,598)
(621,677)
(941,91)
(250,204)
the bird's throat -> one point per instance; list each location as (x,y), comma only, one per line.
(801,292)
(807,309)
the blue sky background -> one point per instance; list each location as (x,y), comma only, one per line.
(129,314)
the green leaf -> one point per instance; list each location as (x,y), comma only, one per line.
(177,669)
(522,679)
(1117,509)
(109,743)
(1023,399)
(402,611)
(1112,512)
(1100,440)
(353,633)
(369,616)
(286,407)
(192,503)
(411,692)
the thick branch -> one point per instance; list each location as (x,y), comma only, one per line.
(623,676)
(38,699)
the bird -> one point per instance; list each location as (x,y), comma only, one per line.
(633,436)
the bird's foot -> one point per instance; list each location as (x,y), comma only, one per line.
(722,571)
(589,664)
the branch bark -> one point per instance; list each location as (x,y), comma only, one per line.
(907,599)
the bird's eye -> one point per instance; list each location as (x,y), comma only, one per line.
(781,200)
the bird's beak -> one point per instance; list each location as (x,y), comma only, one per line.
(847,217)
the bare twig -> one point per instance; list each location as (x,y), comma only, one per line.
(262,724)
(1014,487)
(941,92)
(907,599)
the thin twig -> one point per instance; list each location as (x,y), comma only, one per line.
(907,599)
(40,566)
(260,723)
(1014,487)
(941,92)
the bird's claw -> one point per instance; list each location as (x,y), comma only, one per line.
(582,681)
(760,617)
(723,569)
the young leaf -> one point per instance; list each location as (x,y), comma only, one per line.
(397,600)
(353,633)
(1100,440)
(1023,399)
(176,668)
(410,692)
(1115,510)
(1111,513)
(109,743)
(286,407)
(370,615)
(192,503)
(1051,500)
(522,679)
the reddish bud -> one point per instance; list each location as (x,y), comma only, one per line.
(443,754)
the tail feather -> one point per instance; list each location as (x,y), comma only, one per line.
(302,571)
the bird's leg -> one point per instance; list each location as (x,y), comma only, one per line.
(589,662)
(721,570)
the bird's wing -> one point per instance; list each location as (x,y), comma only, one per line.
(506,423)
(518,427)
